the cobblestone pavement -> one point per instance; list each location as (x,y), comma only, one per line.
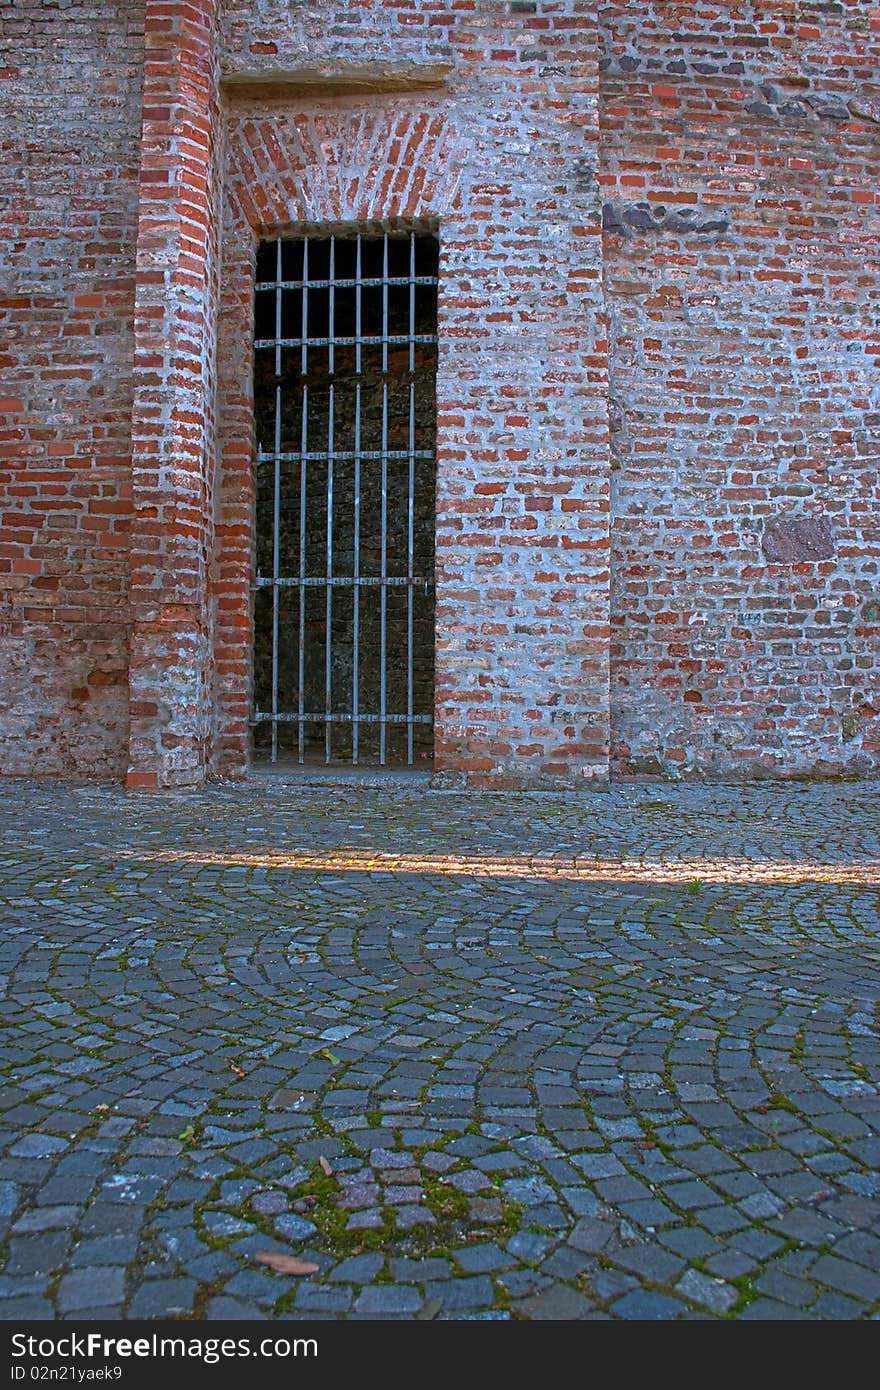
(472,1056)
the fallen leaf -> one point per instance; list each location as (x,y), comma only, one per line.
(187,1134)
(326,1166)
(331,1056)
(102,1108)
(285,1264)
(238,1071)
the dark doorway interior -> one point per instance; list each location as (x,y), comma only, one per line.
(345,402)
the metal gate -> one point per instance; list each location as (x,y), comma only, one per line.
(345,404)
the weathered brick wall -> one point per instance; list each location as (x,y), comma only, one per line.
(740,172)
(737,164)
(70,85)
(172,673)
(503,158)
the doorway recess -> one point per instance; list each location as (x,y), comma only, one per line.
(345,359)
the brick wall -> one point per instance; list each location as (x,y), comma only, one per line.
(705,371)
(70,84)
(740,173)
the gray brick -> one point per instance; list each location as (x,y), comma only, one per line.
(591,1234)
(649,1262)
(290,1226)
(359,1269)
(163,1297)
(457,1295)
(382,1300)
(555,1304)
(581,1201)
(83,1290)
(254,1285)
(483,1259)
(407,1271)
(711,1293)
(770,1310)
(104,1250)
(225,1309)
(27,1308)
(846,1277)
(566,1263)
(645,1306)
(688,1241)
(317,1298)
(38,1254)
(46,1219)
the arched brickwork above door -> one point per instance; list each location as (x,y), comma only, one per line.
(343,165)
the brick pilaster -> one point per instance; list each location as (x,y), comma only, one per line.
(170,682)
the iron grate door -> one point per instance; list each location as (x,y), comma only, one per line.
(345,360)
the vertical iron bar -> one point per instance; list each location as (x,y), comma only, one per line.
(385,305)
(332,307)
(383,588)
(410,540)
(301,672)
(276,503)
(305,307)
(328,667)
(276,541)
(357,309)
(412,301)
(355,636)
(278,333)
(410,499)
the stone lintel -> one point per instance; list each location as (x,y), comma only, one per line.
(333,79)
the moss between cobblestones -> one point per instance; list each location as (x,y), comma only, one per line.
(331,1219)
(798,1050)
(201,1298)
(503,1301)
(747,1293)
(445,1202)
(778,1100)
(453,1223)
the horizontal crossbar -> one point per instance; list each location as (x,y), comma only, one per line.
(340,581)
(343,455)
(261,717)
(373,340)
(374,281)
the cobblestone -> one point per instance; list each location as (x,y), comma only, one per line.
(82,1290)
(433,1040)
